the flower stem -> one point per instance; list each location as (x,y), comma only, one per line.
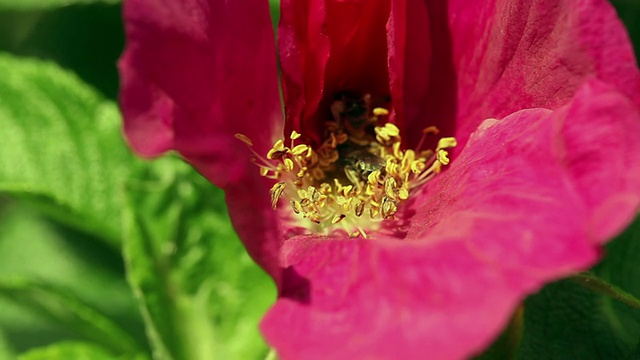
(596,284)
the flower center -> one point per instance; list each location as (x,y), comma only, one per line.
(357,177)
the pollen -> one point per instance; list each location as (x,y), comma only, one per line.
(358,177)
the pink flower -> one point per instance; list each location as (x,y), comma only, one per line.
(543,98)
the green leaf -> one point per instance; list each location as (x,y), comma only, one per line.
(47,4)
(87,40)
(569,320)
(73,351)
(61,146)
(33,247)
(505,347)
(67,309)
(201,294)
(6,351)
(629,12)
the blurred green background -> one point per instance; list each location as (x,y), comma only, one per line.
(54,277)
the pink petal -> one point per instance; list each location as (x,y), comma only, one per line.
(512,55)
(602,155)
(196,72)
(256,223)
(422,76)
(328,46)
(515,210)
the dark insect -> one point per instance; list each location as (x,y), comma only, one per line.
(358,163)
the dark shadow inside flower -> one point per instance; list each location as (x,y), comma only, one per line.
(295,287)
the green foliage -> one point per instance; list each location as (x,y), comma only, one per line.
(61,146)
(69,310)
(85,39)
(506,345)
(200,293)
(629,12)
(567,320)
(73,351)
(33,249)
(6,351)
(47,4)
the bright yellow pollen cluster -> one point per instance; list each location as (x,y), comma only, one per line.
(353,180)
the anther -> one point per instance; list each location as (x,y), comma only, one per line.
(359,209)
(390,187)
(443,157)
(447,142)
(299,149)
(391,129)
(403,193)
(313,194)
(288,164)
(276,191)
(244,139)
(388,208)
(336,219)
(380,111)
(297,208)
(430,130)
(277,151)
(302,193)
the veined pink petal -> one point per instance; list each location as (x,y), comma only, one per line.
(328,46)
(421,71)
(188,88)
(602,155)
(512,55)
(515,210)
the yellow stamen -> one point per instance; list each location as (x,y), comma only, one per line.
(336,219)
(447,142)
(276,191)
(297,208)
(391,129)
(443,157)
(288,164)
(244,139)
(360,166)
(300,149)
(380,111)
(431,130)
(359,208)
